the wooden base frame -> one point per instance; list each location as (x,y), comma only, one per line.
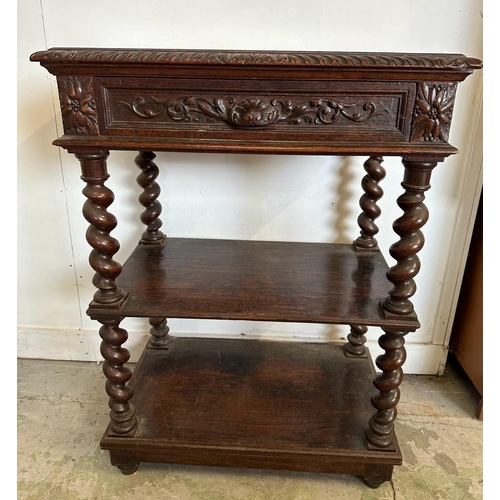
(265,405)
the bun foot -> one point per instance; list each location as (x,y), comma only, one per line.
(375,475)
(126,462)
(128,469)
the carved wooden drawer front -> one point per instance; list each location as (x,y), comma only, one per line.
(216,107)
(285,103)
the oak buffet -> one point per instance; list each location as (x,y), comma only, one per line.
(244,403)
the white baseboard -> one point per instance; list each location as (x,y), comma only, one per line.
(83,345)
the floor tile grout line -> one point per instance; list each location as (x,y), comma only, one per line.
(393,489)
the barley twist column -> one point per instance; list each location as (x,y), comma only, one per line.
(149,198)
(159,332)
(407,227)
(123,419)
(152,236)
(356,341)
(108,295)
(380,433)
(381,424)
(104,246)
(375,173)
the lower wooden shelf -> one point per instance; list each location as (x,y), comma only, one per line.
(255,404)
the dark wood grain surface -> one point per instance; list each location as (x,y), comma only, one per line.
(212,401)
(256,280)
(256,404)
(257,102)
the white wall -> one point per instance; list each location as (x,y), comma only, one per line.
(228,196)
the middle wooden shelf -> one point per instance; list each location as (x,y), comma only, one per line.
(256,280)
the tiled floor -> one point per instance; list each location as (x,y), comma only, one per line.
(62,413)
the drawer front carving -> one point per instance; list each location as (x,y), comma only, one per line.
(253,111)
(222,108)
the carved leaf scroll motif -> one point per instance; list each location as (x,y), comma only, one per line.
(323,59)
(252,111)
(78,105)
(433,111)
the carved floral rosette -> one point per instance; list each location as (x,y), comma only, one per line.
(78,106)
(252,111)
(433,111)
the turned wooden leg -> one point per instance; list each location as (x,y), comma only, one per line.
(407,227)
(99,197)
(380,433)
(123,419)
(355,346)
(149,199)
(356,339)
(159,332)
(368,203)
(152,236)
